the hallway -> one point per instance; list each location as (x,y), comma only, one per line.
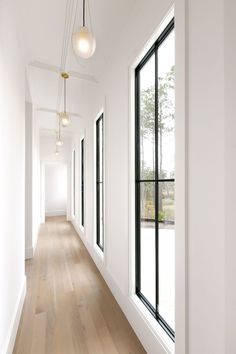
(68,307)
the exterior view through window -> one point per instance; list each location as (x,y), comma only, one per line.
(99,183)
(82,182)
(155,179)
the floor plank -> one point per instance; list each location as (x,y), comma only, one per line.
(68,308)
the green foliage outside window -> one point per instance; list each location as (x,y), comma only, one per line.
(147,129)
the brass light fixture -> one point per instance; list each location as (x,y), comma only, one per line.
(83,40)
(64,116)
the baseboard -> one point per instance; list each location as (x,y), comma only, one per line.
(150,340)
(29,252)
(10,340)
(56,213)
(79,230)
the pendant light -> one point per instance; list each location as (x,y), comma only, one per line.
(59,141)
(83,41)
(64,116)
(56,152)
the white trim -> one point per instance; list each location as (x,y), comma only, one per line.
(42,193)
(80,183)
(77,229)
(181,183)
(73,183)
(102,254)
(11,337)
(29,252)
(160,28)
(181,216)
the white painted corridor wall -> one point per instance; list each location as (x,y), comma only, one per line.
(55,189)
(12,174)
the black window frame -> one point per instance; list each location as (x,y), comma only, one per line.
(82,181)
(153,51)
(100,182)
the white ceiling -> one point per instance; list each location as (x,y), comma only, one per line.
(48,25)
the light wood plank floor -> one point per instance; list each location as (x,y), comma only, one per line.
(68,308)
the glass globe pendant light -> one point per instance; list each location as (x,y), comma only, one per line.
(59,142)
(83,41)
(64,116)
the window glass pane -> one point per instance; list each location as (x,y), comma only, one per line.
(155,115)
(147,241)
(100,221)
(147,120)
(166,257)
(166,108)
(99,182)
(101,149)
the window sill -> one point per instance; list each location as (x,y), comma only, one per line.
(154,326)
(81,228)
(99,252)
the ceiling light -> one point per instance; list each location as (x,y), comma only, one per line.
(83,40)
(56,152)
(59,142)
(65,119)
(64,116)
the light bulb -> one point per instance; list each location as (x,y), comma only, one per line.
(56,152)
(84,43)
(59,142)
(65,119)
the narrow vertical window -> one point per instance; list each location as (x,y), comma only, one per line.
(99,184)
(155,183)
(73,183)
(82,182)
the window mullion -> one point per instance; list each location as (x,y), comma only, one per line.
(137,186)
(156,178)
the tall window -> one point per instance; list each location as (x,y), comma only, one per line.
(155,180)
(99,183)
(82,182)
(73,182)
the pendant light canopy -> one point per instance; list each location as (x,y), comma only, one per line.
(64,116)
(83,41)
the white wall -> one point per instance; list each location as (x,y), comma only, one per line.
(113,96)
(230,174)
(36,178)
(28,180)
(55,189)
(210,147)
(206,206)
(12,175)
(48,158)
(32,180)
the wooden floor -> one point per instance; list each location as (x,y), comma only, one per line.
(68,307)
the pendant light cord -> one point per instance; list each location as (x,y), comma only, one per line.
(83,13)
(59,128)
(64,95)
